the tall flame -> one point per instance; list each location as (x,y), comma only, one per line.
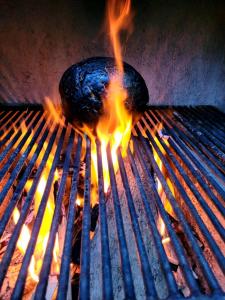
(119,18)
(114,126)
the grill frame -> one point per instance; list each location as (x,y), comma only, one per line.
(184,137)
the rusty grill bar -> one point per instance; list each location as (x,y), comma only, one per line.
(191,141)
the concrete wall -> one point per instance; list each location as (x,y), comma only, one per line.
(178,47)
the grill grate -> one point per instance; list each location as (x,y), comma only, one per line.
(191,148)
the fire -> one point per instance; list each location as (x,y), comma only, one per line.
(166,240)
(53,110)
(119,18)
(46,222)
(114,126)
(79,201)
(161,192)
(25,233)
(41,244)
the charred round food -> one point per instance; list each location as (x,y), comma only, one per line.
(84,85)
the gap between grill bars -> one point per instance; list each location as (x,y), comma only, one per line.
(159,231)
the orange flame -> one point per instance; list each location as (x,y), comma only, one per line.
(37,258)
(161,192)
(114,126)
(25,232)
(54,111)
(119,18)
(41,244)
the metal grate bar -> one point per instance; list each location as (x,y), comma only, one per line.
(184,175)
(179,137)
(194,212)
(153,227)
(204,139)
(64,271)
(45,269)
(188,142)
(20,283)
(146,270)
(6,118)
(2,114)
(21,161)
(106,264)
(177,246)
(124,255)
(84,291)
(217,122)
(5,136)
(24,211)
(201,118)
(216,115)
(7,123)
(14,140)
(205,266)
(207,156)
(20,187)
(188,159)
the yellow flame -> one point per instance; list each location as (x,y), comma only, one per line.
(114,126)
(161,193)
(21,243)
(119,18)
(41,244)
(56,252)
(32,271)
(54,111)
(166,240)
(79,201)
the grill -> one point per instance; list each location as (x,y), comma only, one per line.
(189,144)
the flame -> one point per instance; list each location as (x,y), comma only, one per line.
(161,192)
(21,243)
(42,240)
(166,240)
(119,18)
(79,201)
(114,126)
(54,111)
(31,269)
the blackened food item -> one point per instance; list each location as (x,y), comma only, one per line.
(83,86)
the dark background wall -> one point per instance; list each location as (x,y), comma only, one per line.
(178,47)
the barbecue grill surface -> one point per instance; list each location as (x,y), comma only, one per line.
(192,150)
